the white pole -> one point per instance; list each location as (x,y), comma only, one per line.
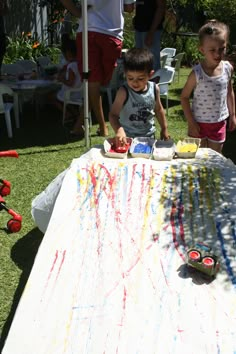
(85,73)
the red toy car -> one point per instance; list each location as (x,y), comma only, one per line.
(14,224)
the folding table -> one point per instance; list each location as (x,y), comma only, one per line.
(110,275)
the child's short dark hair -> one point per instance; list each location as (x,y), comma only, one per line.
(138,59)
(213,27)
(70,46)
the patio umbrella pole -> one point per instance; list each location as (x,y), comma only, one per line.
(85,73)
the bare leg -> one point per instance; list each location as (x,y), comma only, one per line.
(95,101)
(215,146)
(78,126)
(204,143)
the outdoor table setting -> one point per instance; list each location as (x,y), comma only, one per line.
(29,86)
(112,273)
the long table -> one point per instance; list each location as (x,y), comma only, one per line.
(28,88)
(111,276)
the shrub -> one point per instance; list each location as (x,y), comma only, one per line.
(26,47)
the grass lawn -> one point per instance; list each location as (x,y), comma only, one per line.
(44,151)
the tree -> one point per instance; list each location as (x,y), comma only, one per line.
(193,13)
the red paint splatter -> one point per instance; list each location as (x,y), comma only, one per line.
(53,265)
(62,261)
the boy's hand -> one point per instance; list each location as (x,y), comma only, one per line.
(120,137)
(164,135)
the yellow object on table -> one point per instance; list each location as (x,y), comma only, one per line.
(183,147)
(188,147)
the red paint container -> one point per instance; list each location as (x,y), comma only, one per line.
(194,256)
(208,262)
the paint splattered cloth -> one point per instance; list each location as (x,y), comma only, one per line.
(110,274)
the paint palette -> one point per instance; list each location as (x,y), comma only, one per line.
(142,147)
(120,152)
(163,150)
(187,148)
(203,259)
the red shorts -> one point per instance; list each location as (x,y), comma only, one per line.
(103,52)
(215,132)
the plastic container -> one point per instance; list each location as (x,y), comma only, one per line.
(142,147)
(163,150)
(187,148)
(195,256)
(111,150)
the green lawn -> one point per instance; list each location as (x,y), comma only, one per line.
(44,151)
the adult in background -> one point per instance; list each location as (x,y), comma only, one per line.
(148,19)
(105,34)
(3,41)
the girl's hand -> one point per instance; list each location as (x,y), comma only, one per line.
(232,123)
(193,129)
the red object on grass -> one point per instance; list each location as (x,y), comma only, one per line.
(9,153)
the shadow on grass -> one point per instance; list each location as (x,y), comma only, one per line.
(176,92)
(171,102)
(44,130)
(229,149)
(23,254)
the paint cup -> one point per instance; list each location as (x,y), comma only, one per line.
(194,256)
(208,262)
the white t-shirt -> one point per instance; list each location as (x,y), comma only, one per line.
(106,16)
(75,95)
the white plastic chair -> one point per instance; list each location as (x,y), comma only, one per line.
(163,60)
(176,63)
(166,77)
(27,65)
(44,61)
(116,81)
(170,52)
(12,69)
(6,107)
(69,98)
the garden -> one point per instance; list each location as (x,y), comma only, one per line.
(45,149)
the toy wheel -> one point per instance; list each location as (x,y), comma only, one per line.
(14,225)
(208,262)
(5,190)
(194,256)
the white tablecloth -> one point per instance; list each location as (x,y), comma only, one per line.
(110,274)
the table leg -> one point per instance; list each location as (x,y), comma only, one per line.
(16,109)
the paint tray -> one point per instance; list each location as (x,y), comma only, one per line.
(187,148)
(142,147)
(111,150)
(163,150)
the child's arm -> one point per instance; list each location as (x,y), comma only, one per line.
(114,114)
(160,114)
(72,8)
(193,127)
(71,78)
(231,106)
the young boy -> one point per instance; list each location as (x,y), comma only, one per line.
(137,102)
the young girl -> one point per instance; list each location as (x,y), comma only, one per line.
(211,83)
(137,102)
(70,78)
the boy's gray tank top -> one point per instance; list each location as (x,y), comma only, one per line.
(137,116)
